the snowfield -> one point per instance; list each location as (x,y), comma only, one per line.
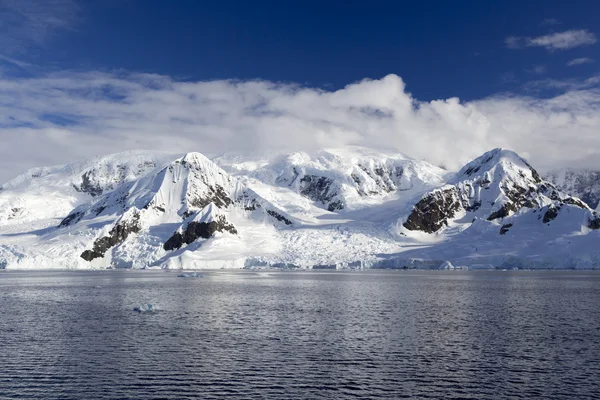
(340,208)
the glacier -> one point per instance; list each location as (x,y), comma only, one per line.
(332,209)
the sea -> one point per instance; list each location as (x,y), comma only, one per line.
(263,334)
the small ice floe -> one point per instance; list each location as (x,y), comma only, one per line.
(190,275)
(146,308)
(446,265)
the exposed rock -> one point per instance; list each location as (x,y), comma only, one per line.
(320,188)
(196,230)
(71,219)
(88,186)
(551,214)
(117,235)
(432,212)
(505,228)
(279,217)
(474,207)
(217,195)
(335,205)
(594,223)
(504,211)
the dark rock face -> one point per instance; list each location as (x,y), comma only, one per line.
(279,217)
(534,174)
(71,219)
(335,205)
(594,223)
(432,212)
(117,235)
(551,214)
(196,230)
(505,228)
(320,188)
(88,186)
(504,211)
(472,207)
(217,195)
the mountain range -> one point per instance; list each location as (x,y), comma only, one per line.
(339,208)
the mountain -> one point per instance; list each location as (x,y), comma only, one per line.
(494,186)
(583,183)
(339,179)
(47,193)
(336,208)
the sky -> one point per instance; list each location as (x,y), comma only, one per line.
(437,80)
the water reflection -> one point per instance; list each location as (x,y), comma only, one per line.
(247,334)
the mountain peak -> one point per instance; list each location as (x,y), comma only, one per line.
(504,161)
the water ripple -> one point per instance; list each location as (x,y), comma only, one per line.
(377,334)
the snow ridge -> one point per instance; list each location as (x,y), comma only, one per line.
(337,208)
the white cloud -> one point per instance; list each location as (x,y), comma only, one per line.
(513,42)
(554,41)
(579,61)
(66,116)
(563,40)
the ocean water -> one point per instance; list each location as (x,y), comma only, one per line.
(300,335)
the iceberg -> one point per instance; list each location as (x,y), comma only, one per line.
(146,308)
(446,265)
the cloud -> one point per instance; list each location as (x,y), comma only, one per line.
(554,41)
(579,61)
(63,117)
(26,24)
(565,85)
(513,42)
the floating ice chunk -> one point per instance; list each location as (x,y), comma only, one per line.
(190,275)
(146,308)
(446,265)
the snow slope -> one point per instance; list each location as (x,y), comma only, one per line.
(336,208)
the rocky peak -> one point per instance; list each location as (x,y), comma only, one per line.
(492,187)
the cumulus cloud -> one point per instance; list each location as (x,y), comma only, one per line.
(579,61)
(554,41)
(63,117)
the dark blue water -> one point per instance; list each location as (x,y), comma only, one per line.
(300,335)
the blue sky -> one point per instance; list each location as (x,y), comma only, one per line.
(440,48)
(70,70)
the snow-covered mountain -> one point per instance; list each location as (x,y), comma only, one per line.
(337,208)
(583,183)
(348,179)
(492,187)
